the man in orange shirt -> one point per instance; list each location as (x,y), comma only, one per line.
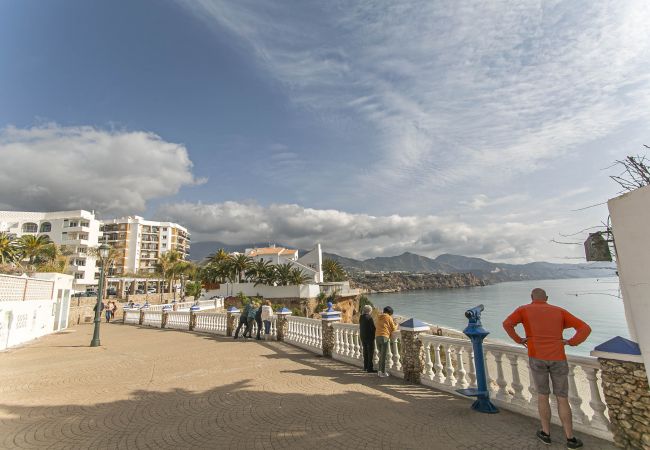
(544,325)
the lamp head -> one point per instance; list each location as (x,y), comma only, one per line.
(103,251)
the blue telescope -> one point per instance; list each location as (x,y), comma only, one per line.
(477,333)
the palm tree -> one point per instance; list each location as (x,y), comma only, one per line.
(8,249)
(53,258)
(283,274)
(165,267)
(333,270)
(193,289)
(260,272)
(241,263)
(31,247)
(298,277)
(218,256)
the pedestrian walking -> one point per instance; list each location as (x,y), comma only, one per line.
(544,325)
(267,315)
(385,327)
(243,319)
(367,335)
(252,312)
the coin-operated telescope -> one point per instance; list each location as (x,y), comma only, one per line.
(477,333)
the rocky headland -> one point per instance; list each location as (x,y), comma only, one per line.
(396,282)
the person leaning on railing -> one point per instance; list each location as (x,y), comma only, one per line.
(367,336)
(385,327)
(544,325)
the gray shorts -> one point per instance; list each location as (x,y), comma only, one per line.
(558,371)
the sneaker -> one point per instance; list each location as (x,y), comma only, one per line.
(381,374)
(545,438)
(386,374)
(574,442)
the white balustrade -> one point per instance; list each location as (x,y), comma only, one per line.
(347,343)
(449,366)
(211,323)
(179,320)
(305,333)
(152,318)
(132,316)
(396,358)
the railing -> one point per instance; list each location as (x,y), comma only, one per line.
(132,316)
(152,318)
(449,365)
(14,288)
(179,320)
(181,305)
(216,303)
(348,348)
(305,333)
(211,323)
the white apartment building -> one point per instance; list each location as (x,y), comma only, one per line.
(140,242)
(311,263)
(75,231)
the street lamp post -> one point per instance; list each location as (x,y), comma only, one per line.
(103,256)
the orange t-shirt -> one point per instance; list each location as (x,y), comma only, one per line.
(544,325)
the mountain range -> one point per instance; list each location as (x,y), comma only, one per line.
(446,263)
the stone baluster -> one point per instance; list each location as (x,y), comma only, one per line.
(346,341)
(462,373)
(163,319)
(375,357)
(440,374)
(232,314)
(517,387)
(574,398)
(337,340)
(396,355)
(450,379)
(532,389)
(428,363)
(599,419)
(502,393)
(357,344)
(389,357)
(472,368)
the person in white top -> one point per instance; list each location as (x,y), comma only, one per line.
(267,315)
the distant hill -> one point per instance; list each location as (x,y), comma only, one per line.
(445,264)
(493,272)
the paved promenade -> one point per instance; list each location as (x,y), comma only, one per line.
(152,388)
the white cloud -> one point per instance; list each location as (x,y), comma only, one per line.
(458,93)
(52,167)
(359,235)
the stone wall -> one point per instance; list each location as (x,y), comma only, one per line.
(625,385)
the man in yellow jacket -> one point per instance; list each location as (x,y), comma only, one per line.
(385,327)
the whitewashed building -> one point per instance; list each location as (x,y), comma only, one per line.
(76,231)
(140,242)
(31,307)
(311,263)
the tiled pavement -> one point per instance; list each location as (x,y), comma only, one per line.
(149,388)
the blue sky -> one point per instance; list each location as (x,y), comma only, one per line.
(373,127)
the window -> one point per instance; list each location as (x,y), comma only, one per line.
(79,276)
(46,227)
(30,227)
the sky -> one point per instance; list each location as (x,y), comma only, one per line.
(481,128)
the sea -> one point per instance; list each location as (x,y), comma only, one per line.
(597,301)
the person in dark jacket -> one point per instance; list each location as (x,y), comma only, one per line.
(252,312)
(367,335)
(258,320)
(243,320)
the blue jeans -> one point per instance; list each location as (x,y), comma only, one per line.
(267,327)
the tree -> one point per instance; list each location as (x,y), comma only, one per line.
(8,249)
(298,277)
(166,266)
(333,271)
(261,272)
(218,256)
(32,247)
(193,289)
(283,274)
(240,264)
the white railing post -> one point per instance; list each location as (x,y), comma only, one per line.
(517,387)
(502,393)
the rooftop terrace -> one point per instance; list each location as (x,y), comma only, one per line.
(159,388)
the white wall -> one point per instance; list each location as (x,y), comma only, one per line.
(630,214)
(314,259)
(44,311)
(249,289)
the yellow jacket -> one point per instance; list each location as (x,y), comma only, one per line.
(385,325)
